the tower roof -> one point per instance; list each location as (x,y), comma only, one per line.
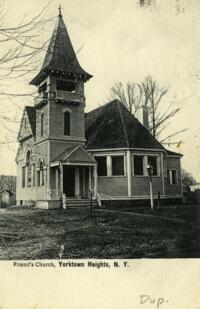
(60,56)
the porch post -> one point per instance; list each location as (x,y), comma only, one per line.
(95,182)
(61,178)
(90,180)
(57,181)
(129,173)
(109,165)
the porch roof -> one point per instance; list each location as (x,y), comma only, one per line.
(75,155)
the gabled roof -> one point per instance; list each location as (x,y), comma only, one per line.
(60,56)
(113,126)
(30,114)
(7,191)
(173,153)
(75,155)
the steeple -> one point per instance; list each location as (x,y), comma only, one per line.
(60,57)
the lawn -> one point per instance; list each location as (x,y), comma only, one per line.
(123,233)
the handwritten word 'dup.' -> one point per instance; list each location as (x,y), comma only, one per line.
(146,299)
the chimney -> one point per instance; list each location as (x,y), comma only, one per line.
(142,115)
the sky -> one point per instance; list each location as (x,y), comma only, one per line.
(121,42)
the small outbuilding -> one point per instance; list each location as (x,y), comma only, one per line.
(7,198)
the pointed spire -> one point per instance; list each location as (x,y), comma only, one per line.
(59,11)
(60,56)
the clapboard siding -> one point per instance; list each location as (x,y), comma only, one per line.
(77,126)
(42,110)
(113,186)
(140,185)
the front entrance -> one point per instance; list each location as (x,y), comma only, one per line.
(76,181)
(69,181)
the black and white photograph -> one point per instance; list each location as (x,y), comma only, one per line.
(100,136)
(100,149)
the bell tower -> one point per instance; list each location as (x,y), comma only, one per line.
(60,82)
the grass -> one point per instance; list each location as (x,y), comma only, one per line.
(134,233)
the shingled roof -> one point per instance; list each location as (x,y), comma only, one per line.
(31,113)
(60,56)
(113,126)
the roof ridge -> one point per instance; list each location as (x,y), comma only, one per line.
(102,106)
(66,149)
(123,122)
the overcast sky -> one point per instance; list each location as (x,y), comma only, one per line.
(121,42)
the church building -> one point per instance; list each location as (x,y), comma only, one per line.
(64,151)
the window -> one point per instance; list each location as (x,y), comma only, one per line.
(152,161)
(28,165)
(33,175)
(138,165)
(66,123)
(65,85)
(41,173)
(23,176)
(42,125)
(118,166)
(172,177)
(101,166)
(38,178)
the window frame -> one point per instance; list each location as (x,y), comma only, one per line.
(145,163)
(67,112)
(42,125)
(124,166)
(170,178)
(157,165)
(103,156)
(109,159)
(133,165)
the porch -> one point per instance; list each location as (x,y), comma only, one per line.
(73,174)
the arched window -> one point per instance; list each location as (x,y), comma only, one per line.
(67,123)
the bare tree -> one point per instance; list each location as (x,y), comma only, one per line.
(148,93)
(146,3)
(20,56)
(130,95)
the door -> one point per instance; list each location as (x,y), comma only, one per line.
(69,181)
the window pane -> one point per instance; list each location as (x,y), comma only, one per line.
(138,165)
(23,176)
(42,125)
(29,176)
(153,162)
(66,85)
(117,166)
(101,166)
(33,176)
(168,177)
(66,123)
(174,177)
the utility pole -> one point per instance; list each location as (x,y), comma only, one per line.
(150,172)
